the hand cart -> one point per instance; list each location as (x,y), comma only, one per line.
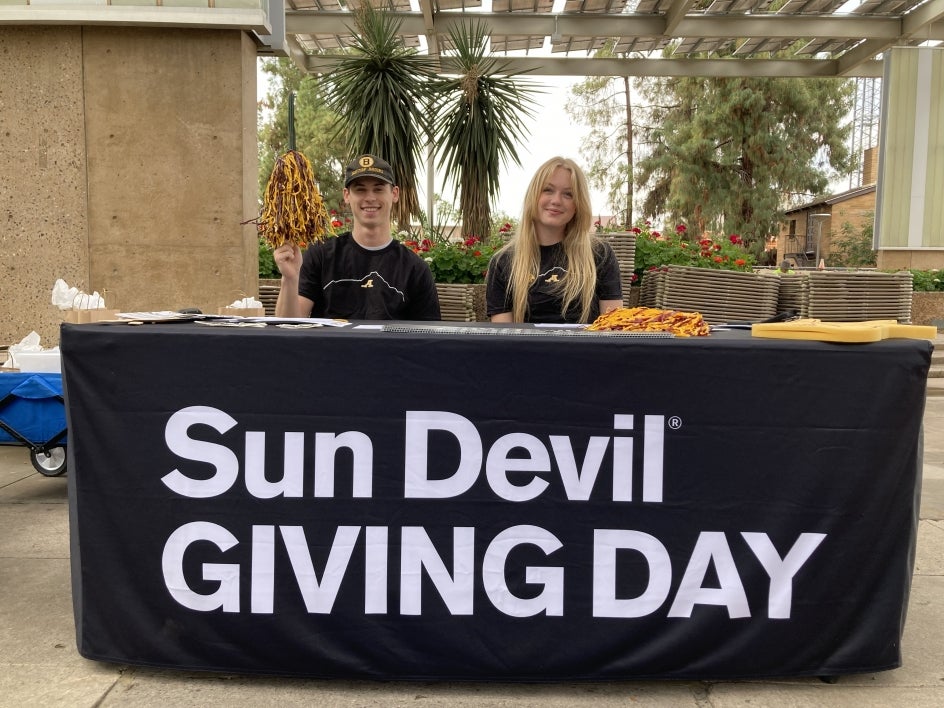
(33,414)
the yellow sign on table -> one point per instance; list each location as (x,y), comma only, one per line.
(853,332)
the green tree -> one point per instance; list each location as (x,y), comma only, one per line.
(480,121)
(728,154)
(382,93)
(852,248)
(604,104)
(312,122)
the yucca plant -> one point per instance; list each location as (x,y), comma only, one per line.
(479,122)
(382,92)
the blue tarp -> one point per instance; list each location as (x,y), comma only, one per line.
(31,404)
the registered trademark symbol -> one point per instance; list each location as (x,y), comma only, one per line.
(675,422)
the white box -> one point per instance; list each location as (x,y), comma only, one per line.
(47,362)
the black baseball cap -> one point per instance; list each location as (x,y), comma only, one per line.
(369,166)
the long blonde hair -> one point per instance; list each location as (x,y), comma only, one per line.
(579,286)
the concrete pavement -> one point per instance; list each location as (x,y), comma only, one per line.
(39,664)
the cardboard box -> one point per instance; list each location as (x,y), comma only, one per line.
(87,316)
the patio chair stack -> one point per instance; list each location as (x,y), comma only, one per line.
(624,246)
(721,295)
(461,302)
(794,293)
(652,289)
(857,296)
(268,296)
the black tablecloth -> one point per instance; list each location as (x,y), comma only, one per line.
(414,505)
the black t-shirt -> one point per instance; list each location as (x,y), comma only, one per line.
(348,281)
(544,295)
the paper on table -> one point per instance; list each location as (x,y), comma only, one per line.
(316,320)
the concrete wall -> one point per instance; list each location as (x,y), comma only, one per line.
(129,162)
(920,259)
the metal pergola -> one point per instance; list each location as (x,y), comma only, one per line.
(791,38)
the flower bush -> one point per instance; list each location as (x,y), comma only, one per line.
(456,261)
(657,250)
(927,280)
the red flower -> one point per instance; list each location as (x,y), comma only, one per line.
(705,242)
(636,230)
(717,247)
(718,259)
(477,253)
(735,239)
(335,223)
(656,234)
(740,262)
(680,229)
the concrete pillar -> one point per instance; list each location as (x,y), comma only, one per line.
(909,216)
(130,162)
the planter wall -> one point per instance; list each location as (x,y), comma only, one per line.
(927,308)
(460,302)
(466,303)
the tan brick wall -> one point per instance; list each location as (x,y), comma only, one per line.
(858,212)
(870,166)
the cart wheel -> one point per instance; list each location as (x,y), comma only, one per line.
(51,463)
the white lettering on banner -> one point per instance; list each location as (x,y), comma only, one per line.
(219,456)
(781,572)
(456,587)
(712,546)
(513,477)
(293,473)
(226,597)
(605,544)
(551,598)
(319,597)
(498,465)
(226,464)
(578,484)
(416,481)
(417,553)
(326,448)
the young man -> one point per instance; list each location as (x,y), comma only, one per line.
(363,274)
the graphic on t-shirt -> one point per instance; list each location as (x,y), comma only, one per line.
(367,281)
(552,275)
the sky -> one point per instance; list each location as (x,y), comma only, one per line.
(550,133)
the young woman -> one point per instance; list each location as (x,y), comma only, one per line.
(554,270)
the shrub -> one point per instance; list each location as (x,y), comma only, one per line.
(267,267)
(927,280)
(655,250)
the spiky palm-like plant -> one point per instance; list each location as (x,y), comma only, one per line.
(479,123)
(381,91)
